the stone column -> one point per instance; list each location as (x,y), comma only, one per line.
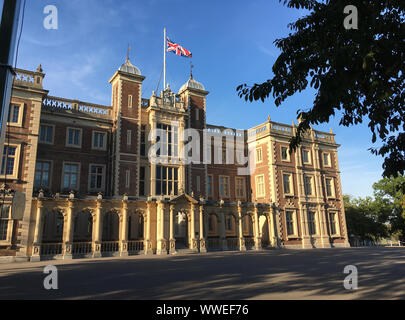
(306,239)
(172,240)
(97,230)
(68,234)
(152,124)
(242,246)
(148,242)
(38,232)
(124,229)
(222,232)
(194,241)
(161,241)
(258,240)
(203,247)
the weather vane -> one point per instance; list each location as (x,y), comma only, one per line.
(129,48)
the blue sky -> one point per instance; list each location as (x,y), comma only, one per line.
(231,42)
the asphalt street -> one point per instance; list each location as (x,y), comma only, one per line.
(267,274)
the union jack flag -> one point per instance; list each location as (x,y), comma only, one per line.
(177,49)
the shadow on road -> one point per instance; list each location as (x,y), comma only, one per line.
(294,274)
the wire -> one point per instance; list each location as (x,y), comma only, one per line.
(19,37)
(157,88)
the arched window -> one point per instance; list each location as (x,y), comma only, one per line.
(83,227)
(212,225)
(53,227)
(247,226)
(110,226)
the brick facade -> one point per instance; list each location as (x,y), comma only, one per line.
(79,157)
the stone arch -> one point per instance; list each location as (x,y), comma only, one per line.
(136,223)
(53,226)
(213,225)
(230,225)
(83,226)
(264,230)
(247,225)
(182,227)
(111,225)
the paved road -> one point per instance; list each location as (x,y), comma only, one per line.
(270,274)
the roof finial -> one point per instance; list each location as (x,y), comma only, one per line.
(191,70)
(129,48)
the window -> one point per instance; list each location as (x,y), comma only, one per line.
(260,191)
(169,147)
(74,137)
(99,140)
(127,179)
(326,160)
(42,174)
(96,177)
(287,183)
(289,217)
(308,185)
(329,187)
(130,101)
(197,114)
(198,183)
(240,188)
(9,163)
(129,137)
(5,222)
(223,156)
(71,176)
(166,180)
(15,114)
(311,223)
(285,156)
(209,185)
(142,181)
(224,187)
(46,134)
(333,223)
(143,140)
(305,156)
(259,157)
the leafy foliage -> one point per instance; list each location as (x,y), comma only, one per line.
(371,219)
(360,72)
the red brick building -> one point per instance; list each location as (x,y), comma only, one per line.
(91,188)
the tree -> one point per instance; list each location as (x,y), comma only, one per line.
(388,194)
(384,215)
(362,218)
(359,73)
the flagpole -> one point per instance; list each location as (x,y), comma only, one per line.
(164,59)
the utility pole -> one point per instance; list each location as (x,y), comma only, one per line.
(8,35)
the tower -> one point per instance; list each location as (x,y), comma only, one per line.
(126,103)
(194,94)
